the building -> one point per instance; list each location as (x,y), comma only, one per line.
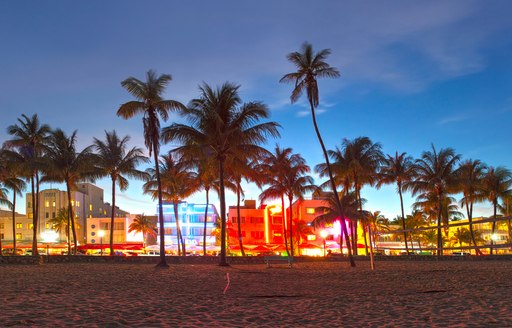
(24,231)
(191,219)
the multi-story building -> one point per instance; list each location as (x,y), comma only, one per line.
(191,219)
(87,202)
(23,226)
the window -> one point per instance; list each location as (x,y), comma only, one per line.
(93,226)
(47,226)
(1,225)
(233,219)
(29,204)
(104,226)
(30,226)
(77,204)
(257,234)
(118,225)
(53,203)
(19,225)
(19,236)
(47,203)
(46,215)
(90,207)
(2,236)
(93,233)
(243,234)
(310,210)
(277,234)
(311,237)
(257,220)
(72,203)
(277,220)
(53,215)
(167,231)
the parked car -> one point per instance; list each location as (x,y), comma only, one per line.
(9,252)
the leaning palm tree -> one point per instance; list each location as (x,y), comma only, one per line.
(311,65)
(152,106)
(68,165)
(113,159)
(29,138)
(223,127)
(435,173)
(143,224)
(178,182)
(398,169)
(11,175)
(469,176)
(496,184)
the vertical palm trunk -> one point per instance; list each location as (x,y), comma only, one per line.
(13,221)
(495,205)
(113,215)
(222,199)
(71,219)
(285,225)
(181,241)
(34,217)
(205,220)
(333,185)
(469,211)
(239,224)
(290,201)
(439,233)
(163,262)
(403,217)
(37,203)
(363,223)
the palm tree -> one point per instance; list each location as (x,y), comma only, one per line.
(67,165)
(224,128)
(152,106)
(362,159)
(206,179)
(113,159)
(60,223)
(144,225)
(377,223)
(288,177)
(311,65)
(10,175)
(470,175)
(417,219)
(435,173)
(30,137)
(178,182)
(398,169)
(496,184)
(329,214)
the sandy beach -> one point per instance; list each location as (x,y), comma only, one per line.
(398,293)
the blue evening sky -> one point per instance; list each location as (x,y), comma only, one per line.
(413,73)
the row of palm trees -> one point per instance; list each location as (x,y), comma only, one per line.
(221,144)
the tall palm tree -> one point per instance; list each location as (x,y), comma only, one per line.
(496,184)
(178,182)
(311,65)
(29,138)
(11,176)
(435,173)
(68,165)
(113,159)
(377,222)
(152,106)
(398,169)
(223,127)
(290,179)
(60,223)
(470,175)
(144,225)
(362,159)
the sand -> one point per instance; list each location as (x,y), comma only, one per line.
(398,293)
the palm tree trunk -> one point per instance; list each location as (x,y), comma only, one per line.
(285,226)
(13,221)
(37,203)
(333,185)
(71,218)
(469,211)
(205,220)
(495,205)
(439,235)
(290,201)
(34,218)
(403,217)
(113,215)
(163,262)
(181,249)
(363,224)
(222,196)
(239,224)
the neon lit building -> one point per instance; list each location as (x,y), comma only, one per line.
(191,219)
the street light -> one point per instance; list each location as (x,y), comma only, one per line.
(101,233)
(324,234)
